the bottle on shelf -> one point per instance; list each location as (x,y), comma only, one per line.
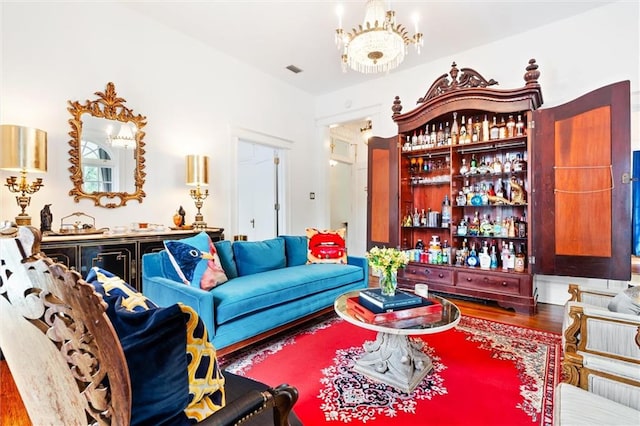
(473,167)
(505,256)
(414,140)
(455,132)
(462,137)
(446,253)
(494,258)
(433,136)
(496,165)
(419,245)
(472,259)
(440,136)
(462,227)
(519,126)
(506,166)
(446,211)
(467,137)
(447,134)
(423,218)
(416,217)
(494,132)
(520,260)
(484,258)
(485,129)
(502,129)
(477,129)
(464,169)
(512,256)
(461,199)
(511,127)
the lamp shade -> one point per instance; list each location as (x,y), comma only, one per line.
(197,170)
(23,148)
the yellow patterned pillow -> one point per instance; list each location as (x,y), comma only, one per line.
(206,382)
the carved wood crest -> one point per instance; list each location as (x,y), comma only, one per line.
(460,79)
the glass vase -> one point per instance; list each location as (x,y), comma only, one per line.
(388,282)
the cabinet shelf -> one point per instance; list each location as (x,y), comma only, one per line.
(492,146)
(438,152)
(490,237)
(504,206)
(432,228)
(484,176)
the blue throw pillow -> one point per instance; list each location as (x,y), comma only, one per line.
(153,340)
(295,248)
(225,252)
(259,256)
(196,262)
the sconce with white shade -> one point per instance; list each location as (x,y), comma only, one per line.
(24,150)
(198,175)
(124,139)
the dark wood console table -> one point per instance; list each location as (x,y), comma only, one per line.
(117,253)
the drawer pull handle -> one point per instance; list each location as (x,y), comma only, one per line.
(440,275)
(486,279)
(504,284)
(469,279)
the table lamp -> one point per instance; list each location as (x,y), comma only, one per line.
(24,149)
(198,175)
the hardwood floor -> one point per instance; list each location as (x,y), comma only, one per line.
(548,318)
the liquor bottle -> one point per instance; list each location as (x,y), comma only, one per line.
(433,137)
(520,259)
(504,232)
(505,256)
(485,129)
(464,169)
(502,129)
(447,134)
(419,245)
(515,164)
(506,166)
(512,256)
(499,189)
(519,126)
(461,200)
(462,227)
(497,227)
(475,133)
(446,211)
(416,217)
(523,162)
(494,258)
(423,218)
(511,127)
(414,140)
(496,166)
(484,258)
(522,226)
(486,228)
(474,165)
(512,229)
(446,253)
(454,130)
(494,132)
(440,136)
(463,132)
(472,259)
(467,137)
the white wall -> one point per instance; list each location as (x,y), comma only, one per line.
(575,56)
(192,96)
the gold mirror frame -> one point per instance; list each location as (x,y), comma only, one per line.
(108,105)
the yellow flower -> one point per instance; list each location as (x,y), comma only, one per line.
(387,259)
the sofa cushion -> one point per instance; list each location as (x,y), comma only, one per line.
(196,261)
(257,292)
(259,256)
(225,253)
(327,246)
(154,341)
(296,248)
(627,301)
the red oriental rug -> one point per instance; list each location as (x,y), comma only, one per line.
(484,373)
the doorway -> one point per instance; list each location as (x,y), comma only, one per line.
(260,190)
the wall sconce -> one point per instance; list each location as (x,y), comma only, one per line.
(198,175)
(24,149)
(124,139)
(366,132)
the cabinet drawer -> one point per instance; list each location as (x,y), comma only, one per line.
(480,281)
(428,273)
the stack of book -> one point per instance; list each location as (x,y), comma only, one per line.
(372,307)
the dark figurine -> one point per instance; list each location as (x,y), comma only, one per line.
(181,212)
(46,218)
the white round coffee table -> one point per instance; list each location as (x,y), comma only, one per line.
(394,358)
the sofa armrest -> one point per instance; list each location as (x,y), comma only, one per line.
(361,262)
(165,292)
(591,296)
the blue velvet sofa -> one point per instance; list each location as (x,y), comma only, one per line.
(270,285)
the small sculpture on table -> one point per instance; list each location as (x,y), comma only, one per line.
(178,218)
(46,218)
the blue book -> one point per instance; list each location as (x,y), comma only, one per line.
(401,299)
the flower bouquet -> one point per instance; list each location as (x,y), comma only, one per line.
(387,261)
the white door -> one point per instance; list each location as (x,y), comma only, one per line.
(259,191)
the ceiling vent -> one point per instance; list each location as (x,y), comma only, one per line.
(294,69)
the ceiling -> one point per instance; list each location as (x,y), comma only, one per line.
(271,35)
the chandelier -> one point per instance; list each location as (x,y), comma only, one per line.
(124,139)
(379,44)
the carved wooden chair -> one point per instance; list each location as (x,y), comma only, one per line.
(67,360)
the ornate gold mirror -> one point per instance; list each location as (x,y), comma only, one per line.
(107,150)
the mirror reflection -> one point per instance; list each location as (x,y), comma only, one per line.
(108,160)
(107,150)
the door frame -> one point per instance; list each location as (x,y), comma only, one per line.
(252,136)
